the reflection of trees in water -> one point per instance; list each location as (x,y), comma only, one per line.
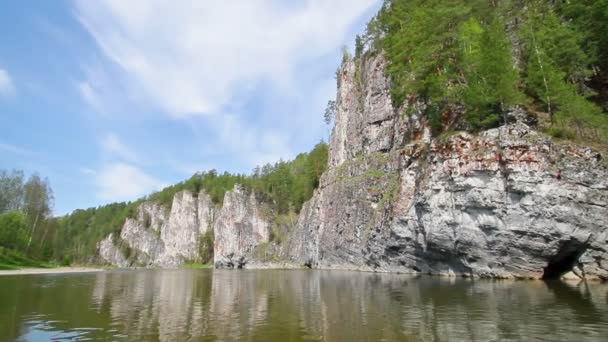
(298,305)
(334,305)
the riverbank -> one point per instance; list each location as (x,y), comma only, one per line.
(56,270)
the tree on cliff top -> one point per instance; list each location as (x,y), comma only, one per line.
(488,56)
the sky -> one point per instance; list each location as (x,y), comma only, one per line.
(112,99)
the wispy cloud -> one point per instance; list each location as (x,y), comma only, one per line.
(195,57)
(123,182)
(121,178)
(6,83)
(115,148)
(254,145)
(104,90)
(235,72)
(88,93)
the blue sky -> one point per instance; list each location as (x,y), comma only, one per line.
(114,99)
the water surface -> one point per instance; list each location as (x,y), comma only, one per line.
(208,305)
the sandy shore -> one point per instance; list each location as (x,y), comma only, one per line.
(58,270)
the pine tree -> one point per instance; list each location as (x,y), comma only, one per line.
(490,73)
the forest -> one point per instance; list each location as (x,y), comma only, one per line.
(481,58)
(473,59)
(26,223)
(31,236)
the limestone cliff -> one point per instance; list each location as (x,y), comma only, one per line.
(508,202)
(158,236)
(240,228)
(161,237)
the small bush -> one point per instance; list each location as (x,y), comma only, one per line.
(561,133)
(66,261)
(205,247)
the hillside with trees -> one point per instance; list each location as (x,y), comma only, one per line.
(480,59)
(471,62)
(28,230)
(26,224)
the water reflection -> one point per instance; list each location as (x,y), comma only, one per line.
(183,305)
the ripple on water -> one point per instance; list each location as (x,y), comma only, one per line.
(182,305)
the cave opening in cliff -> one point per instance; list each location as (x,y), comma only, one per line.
(565,260)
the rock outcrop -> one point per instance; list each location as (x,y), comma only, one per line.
(240,228)
(110,253)
(164,237)
(158,236)
(507,203)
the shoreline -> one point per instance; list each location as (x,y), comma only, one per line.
(57,270)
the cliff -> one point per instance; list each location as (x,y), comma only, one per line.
(507,202)
(161,237)
(239,229)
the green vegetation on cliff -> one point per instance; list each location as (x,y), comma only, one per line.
(469,61)
(285,186)
(488,56)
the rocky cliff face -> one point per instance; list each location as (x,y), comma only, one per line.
(158,236)
(161,237)
(507,203)
(240,228)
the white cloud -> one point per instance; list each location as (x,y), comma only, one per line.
(113,146)
(193,57)
(104,90)
(120,178)
(6,84)
(124,182)
(255,146)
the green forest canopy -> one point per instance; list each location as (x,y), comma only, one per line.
(285,186)
(485,56)
(25,219)
(488,56)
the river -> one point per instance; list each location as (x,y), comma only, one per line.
(297,305)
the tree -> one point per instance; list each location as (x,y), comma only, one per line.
(359,46)
(421,43)
(590,17)
(330,112)
(461,54)
(13,230)
(346,55)
(38,203)
(491,77)
(11,190)
(556,67)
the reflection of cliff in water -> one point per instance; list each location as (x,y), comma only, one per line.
(334,305)
(170,305)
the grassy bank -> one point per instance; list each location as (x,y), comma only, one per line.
(11,260)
